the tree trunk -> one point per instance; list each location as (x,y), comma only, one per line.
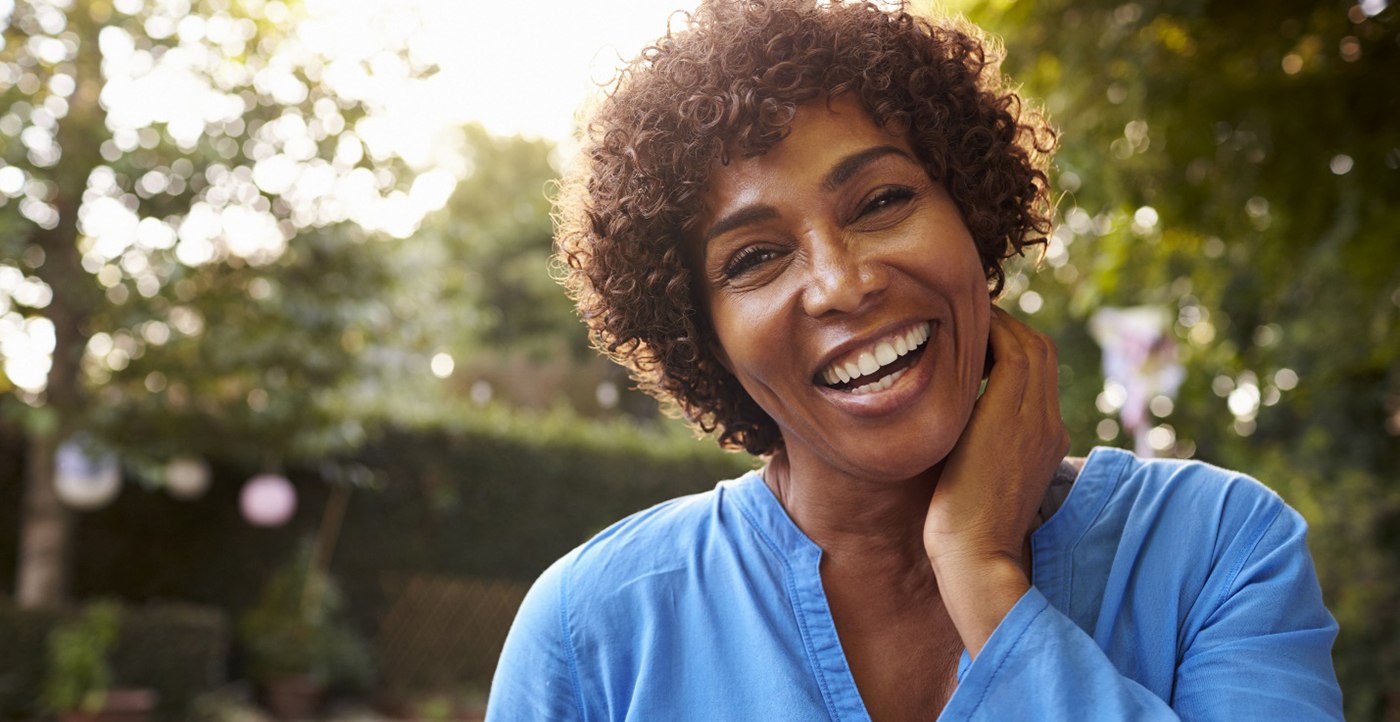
(45,528)
(46,525)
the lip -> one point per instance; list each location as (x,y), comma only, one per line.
(904,390)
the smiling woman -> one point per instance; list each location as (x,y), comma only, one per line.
(826,252)
(789,223)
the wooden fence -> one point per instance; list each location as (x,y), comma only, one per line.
(444,633)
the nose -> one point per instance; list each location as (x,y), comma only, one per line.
(841,277)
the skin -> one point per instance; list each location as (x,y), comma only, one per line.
(922,496)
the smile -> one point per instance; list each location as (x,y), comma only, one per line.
(877,366)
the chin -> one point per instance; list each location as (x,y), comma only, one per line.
(896,460)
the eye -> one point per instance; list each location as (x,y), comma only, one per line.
(886,199)
(748,259)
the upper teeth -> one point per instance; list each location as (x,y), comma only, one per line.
(882,353)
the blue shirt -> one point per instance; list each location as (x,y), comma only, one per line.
(1161,590)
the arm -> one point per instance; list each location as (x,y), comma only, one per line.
(979,519)
(1262,653)
(535,677)
(1260,647)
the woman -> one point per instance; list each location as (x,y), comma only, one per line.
(789,224)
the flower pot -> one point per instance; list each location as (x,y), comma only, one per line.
(292,698)
(119,705)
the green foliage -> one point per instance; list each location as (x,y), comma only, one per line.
(262,375)
(177,650)
(481,291)
(205,284)
(502,493)
(1237,163)
(79,659)
(496,227)
(490,493)
(246,300)
(297,629)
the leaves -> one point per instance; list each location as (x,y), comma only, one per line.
(1237,163)
(208,230)
(79,671)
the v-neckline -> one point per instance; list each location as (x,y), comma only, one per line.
(801,558)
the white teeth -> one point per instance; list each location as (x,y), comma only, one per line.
(880,385)
(867,362)
(884,353)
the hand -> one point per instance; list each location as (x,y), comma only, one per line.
(994,480)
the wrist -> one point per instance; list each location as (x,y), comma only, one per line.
(979,591)
(962,559)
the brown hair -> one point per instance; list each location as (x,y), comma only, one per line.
(731,82)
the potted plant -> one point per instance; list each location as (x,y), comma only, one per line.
(298,643)
(78,679)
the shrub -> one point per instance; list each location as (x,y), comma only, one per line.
(177,650)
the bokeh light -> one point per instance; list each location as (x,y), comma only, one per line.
(268,500)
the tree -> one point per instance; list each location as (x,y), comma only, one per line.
(482,293)
(183,262)
(1237,164)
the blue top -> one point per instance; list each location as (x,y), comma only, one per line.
(1161,590)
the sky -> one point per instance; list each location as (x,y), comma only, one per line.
(515,67)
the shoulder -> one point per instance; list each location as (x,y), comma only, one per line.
(1187,491)
(647,548)
(654,539)
(592,584)
(1180,513)
(1150,547)
(1171,514)
(582,616)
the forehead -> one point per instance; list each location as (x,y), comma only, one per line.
(821,134)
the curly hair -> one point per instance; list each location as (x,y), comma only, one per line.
(730,82)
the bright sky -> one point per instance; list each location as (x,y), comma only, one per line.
(517,67)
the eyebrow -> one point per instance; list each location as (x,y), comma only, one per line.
(853,163)
(846,169)
(741,217)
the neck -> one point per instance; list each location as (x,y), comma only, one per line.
(866,528)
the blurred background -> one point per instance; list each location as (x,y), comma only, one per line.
(291,412)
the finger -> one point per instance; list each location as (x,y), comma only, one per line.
(1052,392)
(1044,369)
(1006,383)
(1041,369)
(1047,395)
(1039,402)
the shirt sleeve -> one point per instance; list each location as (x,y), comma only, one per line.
(536,678)
(1263,653)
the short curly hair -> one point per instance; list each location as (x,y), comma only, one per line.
(730,82)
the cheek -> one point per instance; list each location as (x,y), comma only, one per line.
(981,333)
(741,346)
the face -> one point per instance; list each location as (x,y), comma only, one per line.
(846,294)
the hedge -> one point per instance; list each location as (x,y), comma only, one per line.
(488,495)
(178,650)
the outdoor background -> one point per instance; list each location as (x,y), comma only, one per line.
(307,241)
